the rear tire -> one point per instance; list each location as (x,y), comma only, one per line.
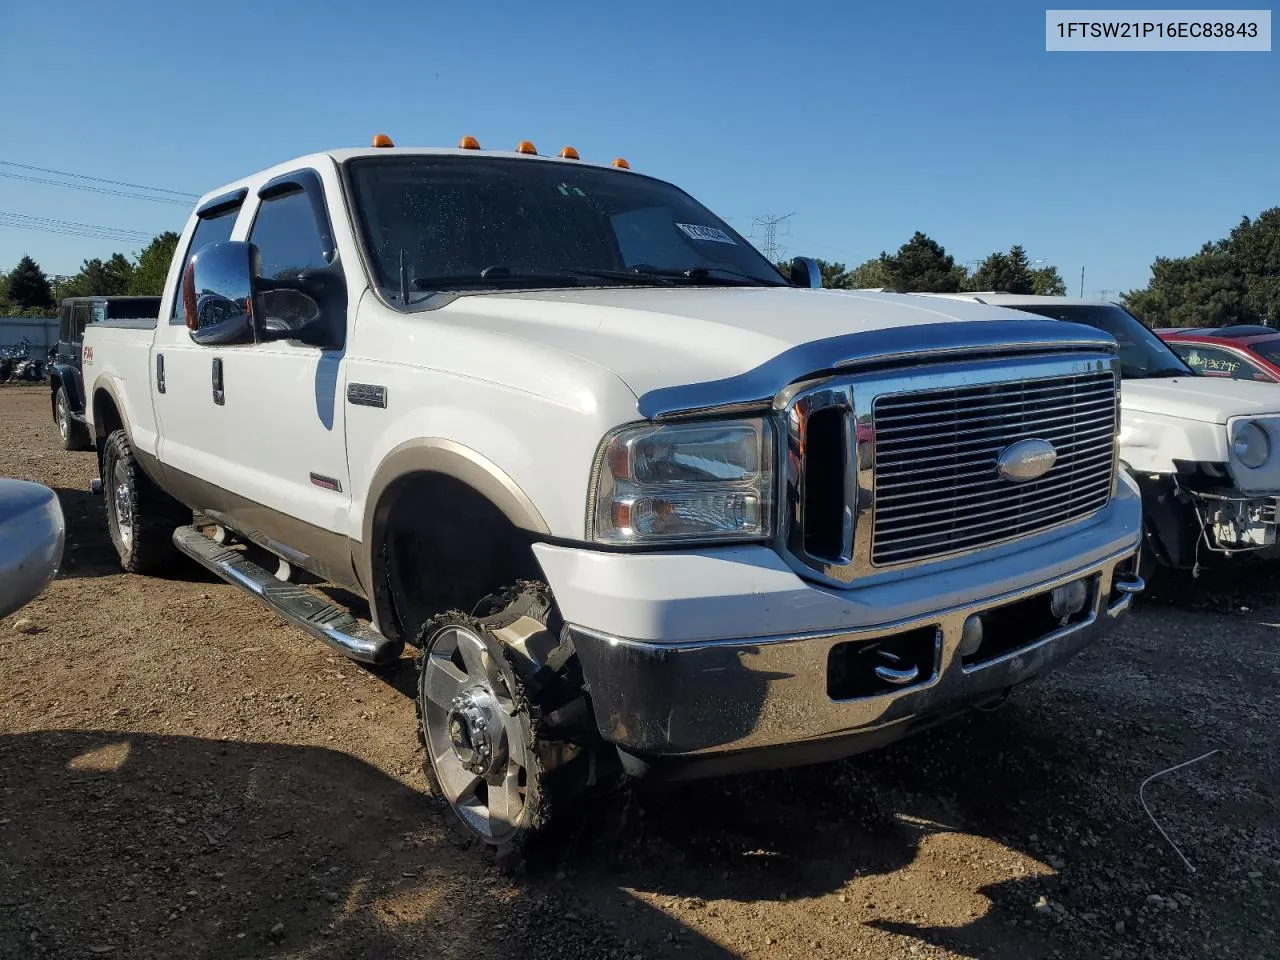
(141,517)
(75,435)
(503,717)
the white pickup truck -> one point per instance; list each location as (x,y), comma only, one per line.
(645,506)
(1205,451)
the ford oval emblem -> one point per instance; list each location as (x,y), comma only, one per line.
(1026,460)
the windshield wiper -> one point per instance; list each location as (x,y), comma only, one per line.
(706,275)
(644,274)
(497,277)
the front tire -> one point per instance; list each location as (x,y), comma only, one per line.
(75,435)
(140,516)
(502,715)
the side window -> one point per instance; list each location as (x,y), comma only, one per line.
(211,229)
(79,320)
(1217,362)
(287,236)
(289,242)
(64,323)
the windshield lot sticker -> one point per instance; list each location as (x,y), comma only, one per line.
(711,234)
(1195,359)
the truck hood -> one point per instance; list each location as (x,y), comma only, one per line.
(1207,399)
(653,338)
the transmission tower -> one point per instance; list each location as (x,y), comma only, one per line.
(768,226)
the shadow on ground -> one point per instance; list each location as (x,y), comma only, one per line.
(134,845)
(89,551)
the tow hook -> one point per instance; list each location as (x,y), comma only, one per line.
(95,486)
(1135,584)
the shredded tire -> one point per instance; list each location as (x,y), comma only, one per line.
(549,694)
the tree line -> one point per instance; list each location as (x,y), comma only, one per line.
(922,265)
(1232,280)
(1229,281)
(27,291)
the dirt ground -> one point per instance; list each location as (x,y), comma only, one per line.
(183,775)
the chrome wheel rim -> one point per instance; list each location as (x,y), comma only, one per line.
(474,734)
(121,503)
(63,425)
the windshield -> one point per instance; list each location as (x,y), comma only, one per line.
(484,223)
(1142,353)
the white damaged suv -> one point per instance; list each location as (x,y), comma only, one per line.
(1205,451)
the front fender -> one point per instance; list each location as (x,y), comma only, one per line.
(1151,442)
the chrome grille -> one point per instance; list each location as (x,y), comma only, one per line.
(937,490)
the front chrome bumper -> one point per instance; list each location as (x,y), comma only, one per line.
(681,709)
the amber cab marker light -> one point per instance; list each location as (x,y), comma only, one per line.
(468,143)
(382,140)
(568,153)
(621,164)
(526,146)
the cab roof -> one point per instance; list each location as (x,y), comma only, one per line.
(341,155)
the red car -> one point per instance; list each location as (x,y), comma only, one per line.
(1244,352)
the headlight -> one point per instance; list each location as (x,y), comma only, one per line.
(684,481)
(1249,443)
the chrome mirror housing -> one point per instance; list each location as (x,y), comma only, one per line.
(805,273)
(218,293)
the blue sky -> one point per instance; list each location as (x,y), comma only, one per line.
(867,121)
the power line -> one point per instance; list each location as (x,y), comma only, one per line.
(124,232)
(72,230)
(105,190)
(85,176)
(769,243)
(66,233)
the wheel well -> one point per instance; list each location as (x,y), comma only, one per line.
(55,381)
(438,544)
(106,420)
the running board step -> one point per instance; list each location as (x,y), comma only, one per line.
(323,619)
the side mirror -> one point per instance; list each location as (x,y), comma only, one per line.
(805,273)
(228,302)
(218,293)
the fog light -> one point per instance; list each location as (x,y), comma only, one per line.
(971,635)
(1068,599)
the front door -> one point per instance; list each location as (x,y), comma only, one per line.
(284,400)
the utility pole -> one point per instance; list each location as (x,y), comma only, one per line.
(769,240)
(1082,281)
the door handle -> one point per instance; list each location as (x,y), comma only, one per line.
(159,373)
(219,395)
